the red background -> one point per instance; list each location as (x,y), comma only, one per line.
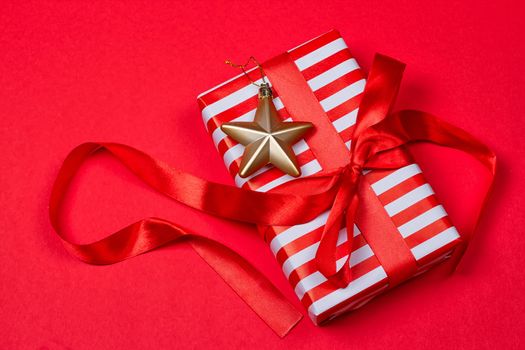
(72,72)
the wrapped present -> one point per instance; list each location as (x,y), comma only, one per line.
(405,204)
(360,220)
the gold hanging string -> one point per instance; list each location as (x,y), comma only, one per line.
(243,68)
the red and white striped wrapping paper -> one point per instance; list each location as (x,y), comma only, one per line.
(337,81)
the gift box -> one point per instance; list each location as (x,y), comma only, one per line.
(407,200)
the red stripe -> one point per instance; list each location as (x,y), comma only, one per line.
(344,108)
(324,65)
(428,232)
(376,175)
(435,254)
(289,250)
(347,133)
(232,113)
(273,231)
(299,244)
(314,44)
(310,267)
(415,210)
(354,302)
(338,84)
(327,287)
(402,188)
(230,87)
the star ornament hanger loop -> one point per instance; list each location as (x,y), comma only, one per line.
(267,139)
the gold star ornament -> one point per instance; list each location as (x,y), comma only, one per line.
(267,139)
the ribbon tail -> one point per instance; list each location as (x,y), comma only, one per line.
(410,126)
(250,285)
(245,280)
(343,276)
(444,134)
(326,255)
(350,223)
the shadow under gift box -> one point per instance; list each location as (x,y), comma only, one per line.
(408,200)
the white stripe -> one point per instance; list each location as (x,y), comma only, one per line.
(332,74)
(360,255)
(309,282)
(224,83)
(229,101)
(355,287)
(233,153)
(434,243)
(320,54)
(424,268)
(342,236)
(366,299)
(345,121)
(219,135)
(240,181)
(395,178)
(343,95)
(294,232)
(313,280)
(358,303)
(279,105)
(408,199)
(307,254)
(300,147)
(421,221)
(308,169)
(299,259)
(348,144)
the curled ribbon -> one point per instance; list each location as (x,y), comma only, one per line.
(378,143)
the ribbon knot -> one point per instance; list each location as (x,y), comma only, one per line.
(353,169)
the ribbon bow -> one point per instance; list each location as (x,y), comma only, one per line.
(377,144)
(368,142)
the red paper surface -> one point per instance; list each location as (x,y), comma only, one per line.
(74,72)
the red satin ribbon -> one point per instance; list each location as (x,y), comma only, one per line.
(150,233)
(377,144)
